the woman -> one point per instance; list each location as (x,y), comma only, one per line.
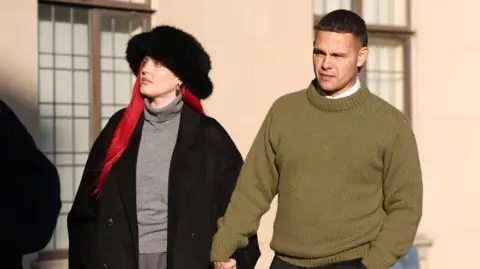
(161,173)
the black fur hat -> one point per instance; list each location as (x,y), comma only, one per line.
(178,51)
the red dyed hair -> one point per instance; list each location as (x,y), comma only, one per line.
(125,128)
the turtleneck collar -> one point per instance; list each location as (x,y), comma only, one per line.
(166,113)
(336,105)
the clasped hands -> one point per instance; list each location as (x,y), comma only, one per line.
(231,264)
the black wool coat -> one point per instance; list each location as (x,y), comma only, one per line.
(30,192)
(205,164)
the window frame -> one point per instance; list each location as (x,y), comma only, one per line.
(403,34)
(106,4)
(97,9)
(96,101)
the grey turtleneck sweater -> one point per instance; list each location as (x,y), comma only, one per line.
(159,136)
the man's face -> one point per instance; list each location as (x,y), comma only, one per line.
(336,59)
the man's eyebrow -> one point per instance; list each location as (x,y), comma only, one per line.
(338,54)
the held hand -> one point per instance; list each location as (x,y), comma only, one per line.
(231,264)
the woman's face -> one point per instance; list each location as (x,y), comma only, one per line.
(157,81)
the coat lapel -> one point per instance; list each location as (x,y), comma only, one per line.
(187,161)
(127,172)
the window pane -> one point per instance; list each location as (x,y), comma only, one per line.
(64,98)
(106,43)
(391,12)
(63,28)
(82,135)
(63,62)
(116,77)
(45,60)
(63,135)
(81,111)
(45,28)
(45,85)
(122,88)
(61,232)
(385,70)
(80,62)
(64,159)
(81,87)
(80,31)
(322,7)
(63,86)
(46,143)
(121,35)
(78,176)
(63,110)
(107,88)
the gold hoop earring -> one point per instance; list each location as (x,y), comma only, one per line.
(177,89)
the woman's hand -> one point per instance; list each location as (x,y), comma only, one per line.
(231,264)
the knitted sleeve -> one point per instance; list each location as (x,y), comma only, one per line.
(403,189)
(253,194)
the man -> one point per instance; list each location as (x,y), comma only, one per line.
(30,193)
(343,162)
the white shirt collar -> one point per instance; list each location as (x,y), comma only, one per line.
(352,90)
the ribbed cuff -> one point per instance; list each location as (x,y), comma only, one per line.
(376,260)
(224,244)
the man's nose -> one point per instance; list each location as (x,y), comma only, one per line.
(326,63)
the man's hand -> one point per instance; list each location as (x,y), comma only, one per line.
(231,264)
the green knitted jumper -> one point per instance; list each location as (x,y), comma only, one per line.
(348,180)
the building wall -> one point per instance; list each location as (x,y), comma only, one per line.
(447,123)
(18,59)
(261,50)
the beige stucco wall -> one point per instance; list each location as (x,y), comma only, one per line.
(18,59)
(447,123)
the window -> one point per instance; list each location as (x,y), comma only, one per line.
(83,79)
(116,78)
(387,71)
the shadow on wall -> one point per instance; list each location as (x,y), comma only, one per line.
(23,102)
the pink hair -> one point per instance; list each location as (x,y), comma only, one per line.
(125,128)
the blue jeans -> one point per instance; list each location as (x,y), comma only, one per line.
(409,261)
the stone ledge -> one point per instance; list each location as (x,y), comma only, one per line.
(51,264)
(423,243)
(422,240)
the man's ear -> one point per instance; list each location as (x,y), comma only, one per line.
(362,57)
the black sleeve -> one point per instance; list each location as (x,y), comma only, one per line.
(82,218)
(246,257)
(30,195)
